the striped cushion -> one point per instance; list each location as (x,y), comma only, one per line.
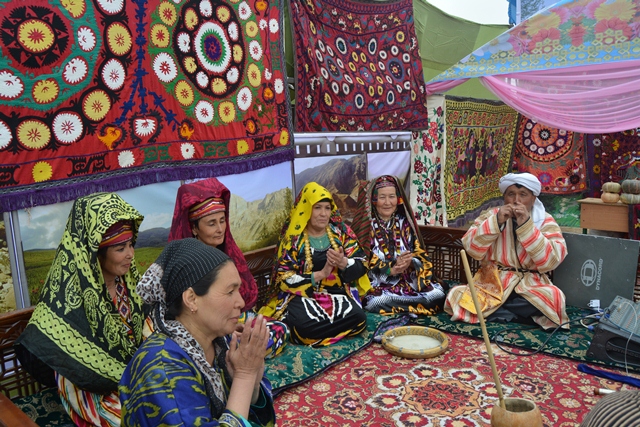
(620,409)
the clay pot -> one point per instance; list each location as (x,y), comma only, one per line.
(518,413)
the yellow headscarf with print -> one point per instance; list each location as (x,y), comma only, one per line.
(311,194)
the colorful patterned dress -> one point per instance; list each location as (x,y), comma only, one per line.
(318,314)
(163,386)
(413,291)
(77,330)
(522,255)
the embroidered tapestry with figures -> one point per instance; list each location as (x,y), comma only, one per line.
(480,140)
(555,156)
(358,66)
(112,94)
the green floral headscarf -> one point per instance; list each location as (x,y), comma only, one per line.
(75,328)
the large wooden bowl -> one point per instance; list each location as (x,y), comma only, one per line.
(415,342)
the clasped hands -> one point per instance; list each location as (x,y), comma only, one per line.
(336,258)
(402,263)
(515,211)
(245,358)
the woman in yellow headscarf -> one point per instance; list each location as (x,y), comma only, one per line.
(320,273)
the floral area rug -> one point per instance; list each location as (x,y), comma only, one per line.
(455,389)
(298,363)
(572,344)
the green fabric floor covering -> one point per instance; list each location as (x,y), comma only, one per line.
(572,344)
(299,363)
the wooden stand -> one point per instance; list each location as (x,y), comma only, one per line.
(597,215)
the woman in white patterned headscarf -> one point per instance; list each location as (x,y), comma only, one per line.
(517,243)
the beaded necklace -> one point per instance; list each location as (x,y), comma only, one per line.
(307,248)
(385,236)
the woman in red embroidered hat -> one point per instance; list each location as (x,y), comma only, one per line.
(399,266)
(202,211)
(90,320)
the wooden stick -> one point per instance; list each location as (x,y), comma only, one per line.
(487,342)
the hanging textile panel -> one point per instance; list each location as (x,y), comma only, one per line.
(108,95)
(427,157)
(570,33)
(480,142)
(594,164)
(358,66)
(611,157)
(555,156)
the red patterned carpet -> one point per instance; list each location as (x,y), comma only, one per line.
(455,389)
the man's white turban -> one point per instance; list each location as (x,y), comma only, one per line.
(525,179)
(532,183)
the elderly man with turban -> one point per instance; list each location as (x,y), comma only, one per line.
(517,243)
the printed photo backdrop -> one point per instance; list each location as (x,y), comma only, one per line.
(109,95)
(7,294)
(257,213)
(341,175)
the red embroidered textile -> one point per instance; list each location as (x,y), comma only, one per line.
(358,66)
(555,156)
(108,95)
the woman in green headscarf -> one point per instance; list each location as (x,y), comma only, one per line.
(320,273)
(90,320)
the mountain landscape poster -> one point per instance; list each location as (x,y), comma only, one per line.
(260,202)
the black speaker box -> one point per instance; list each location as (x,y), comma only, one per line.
(610,344)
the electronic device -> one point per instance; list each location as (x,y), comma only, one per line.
(597,268)
(617,336)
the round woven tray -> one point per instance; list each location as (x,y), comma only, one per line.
(415,348)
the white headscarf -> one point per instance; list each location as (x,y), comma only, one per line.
(532,183)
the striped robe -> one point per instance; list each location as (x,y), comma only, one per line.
(538,251)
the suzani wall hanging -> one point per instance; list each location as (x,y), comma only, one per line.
(107,95)
(358,66)
(555,156)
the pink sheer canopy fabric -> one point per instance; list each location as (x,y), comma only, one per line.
(439,87)
(600,98)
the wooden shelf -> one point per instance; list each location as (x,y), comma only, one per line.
(597,215)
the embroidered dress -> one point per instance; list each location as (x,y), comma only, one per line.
(415,290)
(163,385)
(196,193)
(318,314)
(77,329)
(522,256)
